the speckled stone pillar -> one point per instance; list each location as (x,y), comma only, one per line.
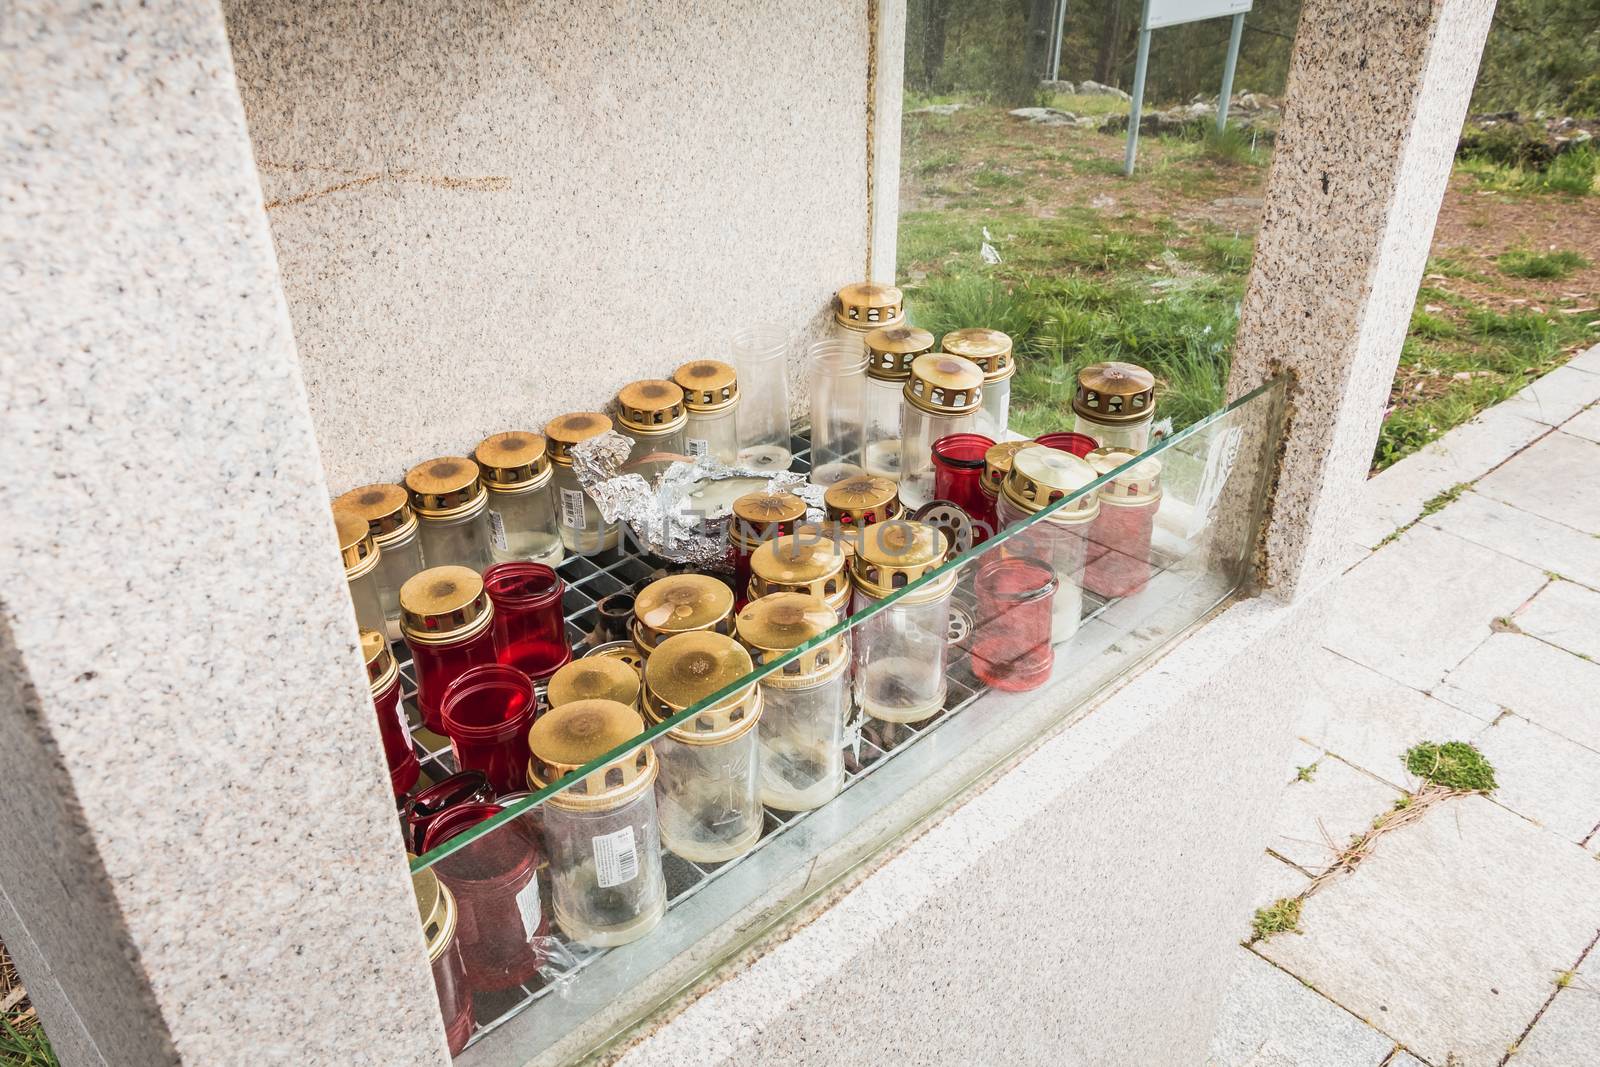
(1376,96)
(200,861)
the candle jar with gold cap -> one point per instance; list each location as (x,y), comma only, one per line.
(802,563)
(1119,540)
(1114,404)
(996,465)
(583,529)
(862,500)
(449,627)
(711,397)
(361,558)
(890,352)
(991,351)
(436,906)
(651,412)
(758,518)
(604,841)
(760,353)
(679,604)
(383,677)
(386,509)
(596,677)
(452,512)
(901,652)
(708,792)
(804,703)
(1039,477)
(942,397)
(838,381)
(862,307)
(522,510)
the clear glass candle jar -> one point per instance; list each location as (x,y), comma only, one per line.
(942,397)
(958,462)
(901,653)
(680,604)
(502,932)
(465,787)
(436,907)
(448,624)
(711,396)
(810,563)
(452,512)
(597,677)
(583,529)
(890,352)
(991,350)
(530,631)
(758,518)
(1114,404)
(838,370)
(606,884)
(1012,627)
(1119,541)
(862,501)
(386,509)
(651,412)
(1039,477)
(360,557)
(761,358)
(522,510)
(862,307)
(804,704)
(708,792)
(486,712)
(383,677)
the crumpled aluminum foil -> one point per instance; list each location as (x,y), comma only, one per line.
(662,518)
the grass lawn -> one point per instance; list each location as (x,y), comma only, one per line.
(1093,266)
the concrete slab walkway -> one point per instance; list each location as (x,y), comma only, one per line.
(1464,933)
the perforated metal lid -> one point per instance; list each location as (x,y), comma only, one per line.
(892,349)
(382,671)
(357,549)
(563,432)
(707,384)
(443,604)
(773,625)
(687,669)
(436,907)
(652,406)
(869,305)
(944,384)
(1041,476)
(1115,392)
(386,507)
(989,349)
(681,603)
(565,738)
(1138,484)
(862,499)
(595,678)
(895,554)
(512,461)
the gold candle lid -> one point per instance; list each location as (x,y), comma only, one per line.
(862,499)
(707,384)
(686,669)
(566,737)
(444,487)
(626,651)
(773,625)
(1041,476)
(436,907)
(891,350)
(680,603)
(564,431)
(356,547)
(762,515)
(843,537)
(800,563)
(653,406)
(381,667)
(943,384)
(989,349)
(1138,484)
(997,463)
(1115,392)
(444,604)
(385,506)
(514,461)
(869,305)
(594,678)
(895,554)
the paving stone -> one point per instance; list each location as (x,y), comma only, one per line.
(1544,776)
(1271,1020)
(1415,609)
(1585,425)
(1405,1059)
(1556,397)
(1370,720)
(1564,614)
(1317,819)
(1449,934)
(1589,361)
(1522,535)
(1539,682)
(1274,880)
(1549,478)
(1568,1033)
(1479,707)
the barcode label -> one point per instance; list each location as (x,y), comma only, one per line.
(698,446)
(572,516)
(528,908)
(497,530)
(616,861)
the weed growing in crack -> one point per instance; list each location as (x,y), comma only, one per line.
(1455,765)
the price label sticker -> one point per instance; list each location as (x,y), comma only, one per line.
(698,446)
(497,530)
(616,860)
(572,516)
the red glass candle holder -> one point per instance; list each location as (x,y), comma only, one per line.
(487,712)
(1079,444)
(448,622)
(530,632)
(958,478)
(502,926)
(467,787)
(1119,556)
(1011,647)
(383,679)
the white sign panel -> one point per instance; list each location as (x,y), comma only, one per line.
(1177,12)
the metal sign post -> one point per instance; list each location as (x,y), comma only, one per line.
(1160,13)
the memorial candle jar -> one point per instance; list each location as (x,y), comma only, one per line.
(360,557)
(465,787)
(1011,650)
(1078,444)
(862,307)
(383,678)
(708,792)
(1114,404)
(1120,560)
(890,352)
(486,712)
(991,351)
(942,397)
(1039,477)
(679,604)
(596,677)
(711,397)
(651,412)
(838,370)
(760,356)
(606,883)
(448,624)
(501,929)
(436,907)
(901,652)
(583,530)
(802,562)
(804,703)
(452,512)
(522,509)
(863,500)
(958,477)
(387,511)
(757,519)
(530,632)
